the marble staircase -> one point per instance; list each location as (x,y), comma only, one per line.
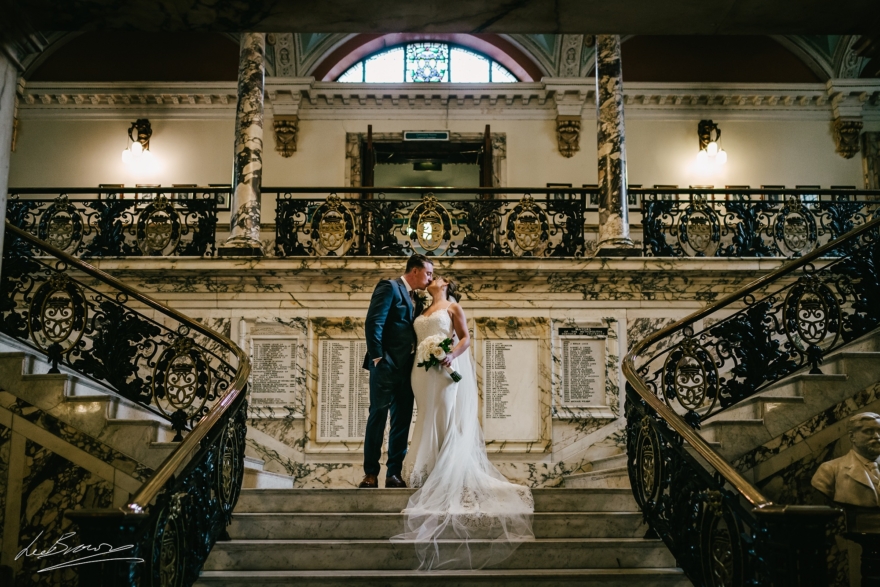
(142,435)
(335,537)
(607,473)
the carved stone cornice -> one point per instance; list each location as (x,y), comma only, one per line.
(846,136)
(547,100)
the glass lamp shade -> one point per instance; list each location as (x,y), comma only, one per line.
(721,157)
(126,156)
(702,156)
(136,148)
(712,149)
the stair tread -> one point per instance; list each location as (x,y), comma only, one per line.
(415,573)
(254,542)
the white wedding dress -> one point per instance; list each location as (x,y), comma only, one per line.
(465,514)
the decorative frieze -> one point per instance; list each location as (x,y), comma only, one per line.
(552,97)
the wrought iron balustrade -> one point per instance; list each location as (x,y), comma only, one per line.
(112,222)
(170,364)
(500,222)
(721,529)
(749,223)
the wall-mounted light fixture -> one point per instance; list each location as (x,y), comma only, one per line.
(710,152)
(138,150)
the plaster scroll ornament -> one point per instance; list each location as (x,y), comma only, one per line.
(286,128)
(568,132)
(846,136)
(854,478)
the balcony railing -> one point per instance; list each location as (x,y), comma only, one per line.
(749,223)
(114,222)
(485,222)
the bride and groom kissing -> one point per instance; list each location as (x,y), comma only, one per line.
(461,496)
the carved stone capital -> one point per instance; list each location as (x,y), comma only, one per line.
(286,128)
(846,136)
(568,134)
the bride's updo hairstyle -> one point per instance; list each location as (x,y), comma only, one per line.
(452,288)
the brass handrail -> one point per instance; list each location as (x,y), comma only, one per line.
(151,488)
(678,423)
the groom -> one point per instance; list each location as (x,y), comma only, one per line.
(391,345)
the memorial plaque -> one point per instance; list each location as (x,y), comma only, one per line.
(273,371)
(511,398)
(343,391)
(583,366)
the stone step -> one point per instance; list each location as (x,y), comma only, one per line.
(394,500)
(542,577)
(610,462)
(563,553)
(361,526)
(617,477)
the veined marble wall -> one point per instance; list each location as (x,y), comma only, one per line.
(299,303)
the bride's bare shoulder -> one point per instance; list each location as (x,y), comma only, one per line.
(455,308)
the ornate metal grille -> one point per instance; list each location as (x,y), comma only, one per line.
(531,223)
(120,222)
(749,223)
(81,318)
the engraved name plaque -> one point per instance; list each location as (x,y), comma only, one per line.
(511,398)
(583,366)
(343,391)
(273,371)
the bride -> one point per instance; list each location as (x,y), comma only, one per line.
(465,514)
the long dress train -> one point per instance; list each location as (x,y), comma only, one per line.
(465,514)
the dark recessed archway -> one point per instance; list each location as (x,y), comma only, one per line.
(719,58)
(138,56)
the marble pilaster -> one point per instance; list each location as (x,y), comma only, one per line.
(614,239)
(244,223)
(8,81)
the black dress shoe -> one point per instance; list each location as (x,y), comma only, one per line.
(394,482)
(369,482)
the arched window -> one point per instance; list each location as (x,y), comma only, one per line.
(427,62)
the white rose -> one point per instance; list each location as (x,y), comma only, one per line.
(438,353)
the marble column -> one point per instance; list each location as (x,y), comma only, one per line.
(614,240)
(8,82)
(244,222)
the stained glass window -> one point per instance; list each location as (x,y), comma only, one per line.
(427,62)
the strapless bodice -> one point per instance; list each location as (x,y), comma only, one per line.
(440,322)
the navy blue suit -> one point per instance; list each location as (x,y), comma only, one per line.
(390,335)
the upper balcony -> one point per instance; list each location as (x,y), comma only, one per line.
(442,222)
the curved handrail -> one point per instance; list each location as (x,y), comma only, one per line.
(169,467)
(678,423)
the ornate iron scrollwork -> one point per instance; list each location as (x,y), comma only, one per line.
(430,224)
(723,559)
(699,229)
(812,318)
(527,228)
(158,228)
(795,229)
(333,227)
(649,472)
(690,376)
(58,315)
(181,380)
(61,225)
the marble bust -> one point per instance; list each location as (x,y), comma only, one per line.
(855,477)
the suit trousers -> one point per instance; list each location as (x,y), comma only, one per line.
(390,392)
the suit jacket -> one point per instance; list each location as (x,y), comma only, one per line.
(389,328)
(845,480)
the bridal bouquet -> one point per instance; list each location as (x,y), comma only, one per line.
(434,349)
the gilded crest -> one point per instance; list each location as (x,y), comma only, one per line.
(430,224)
